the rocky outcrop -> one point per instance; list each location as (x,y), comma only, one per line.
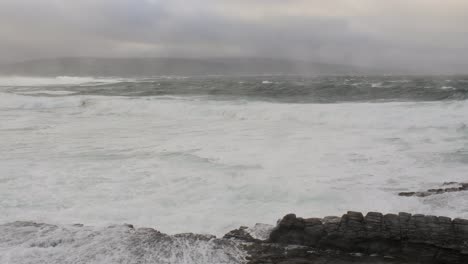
(374,238)
(458,188)
(352,238)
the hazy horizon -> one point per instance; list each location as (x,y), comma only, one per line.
(147,67)
(420,35)
(195,66)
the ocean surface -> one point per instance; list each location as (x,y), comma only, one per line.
(209,154)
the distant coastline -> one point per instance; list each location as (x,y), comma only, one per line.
(147,67)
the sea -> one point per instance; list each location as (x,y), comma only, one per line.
(84,158)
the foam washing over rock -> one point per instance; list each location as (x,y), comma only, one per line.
(32,243)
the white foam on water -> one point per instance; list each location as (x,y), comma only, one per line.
(45,92)
(447,88)
(53,81)
(196,165)
(10,101)
(30,243)
(260,231)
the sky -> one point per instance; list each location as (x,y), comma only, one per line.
(416,33)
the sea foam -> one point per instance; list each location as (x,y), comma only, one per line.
(31,243)
(48,81)
(196,165)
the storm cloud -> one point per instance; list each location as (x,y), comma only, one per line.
(417,33)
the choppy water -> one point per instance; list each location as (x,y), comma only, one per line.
(288,89)
(207,155)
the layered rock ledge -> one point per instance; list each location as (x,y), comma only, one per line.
(458,188)
(355,238)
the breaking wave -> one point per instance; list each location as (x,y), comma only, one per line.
(9,101)
(32,243)
(50,81)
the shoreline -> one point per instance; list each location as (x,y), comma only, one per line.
(351,238)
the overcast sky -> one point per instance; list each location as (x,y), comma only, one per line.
(365,32)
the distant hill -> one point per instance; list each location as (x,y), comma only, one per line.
(145,67)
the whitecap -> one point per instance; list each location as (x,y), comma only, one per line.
(28,243)
(14,81)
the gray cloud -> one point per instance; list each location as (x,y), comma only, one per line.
(368,32)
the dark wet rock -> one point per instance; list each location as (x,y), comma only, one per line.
(270,253)
(127,225)
(241,234)
(459,188)
(355,238)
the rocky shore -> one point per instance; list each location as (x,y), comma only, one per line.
(355,238)
(456,187)
(352,238)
